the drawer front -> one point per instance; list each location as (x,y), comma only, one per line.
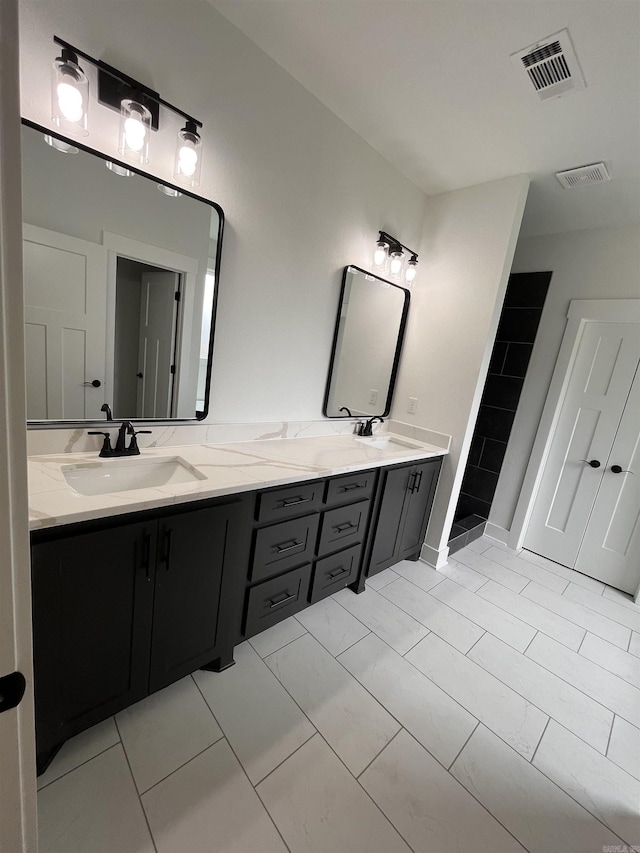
(335,572)
(290,501)
(283,546)
(351,487)
(343,527)
(274,600)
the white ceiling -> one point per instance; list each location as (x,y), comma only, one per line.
(430,85)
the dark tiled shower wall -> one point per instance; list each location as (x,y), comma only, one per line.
(516,333)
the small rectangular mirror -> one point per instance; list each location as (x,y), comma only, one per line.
(372,316)
(120,278)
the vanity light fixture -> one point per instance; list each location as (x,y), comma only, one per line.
(69,93)
(138,105)
(117,169)
(59,145)
(172,192)
(389,250)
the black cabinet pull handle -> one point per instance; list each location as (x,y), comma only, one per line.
(167,549)
(282,548)
(347,525)
(273,603)
(413,476)
(617,469)
(351,487)
(343,570)
(146,554)
(595,463)
(294,501)
(418,480)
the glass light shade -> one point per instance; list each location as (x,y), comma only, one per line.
(411,270)
(396,263)
(135,130)
(69,95)
(170,191)
(117,169)
(59,145)
(188,160)
(380,255)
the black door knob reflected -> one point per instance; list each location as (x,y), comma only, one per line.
(618,469)
(139,375)
(95,383)
(595,463)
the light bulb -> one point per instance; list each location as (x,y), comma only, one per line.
(135,126)
(69,101)
(380,254)
(69,94)
(188,160)
(135,133)
(411,270)
(395,266)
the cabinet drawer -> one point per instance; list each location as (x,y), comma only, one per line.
(290,501)
(335,572)
(283,546)
(274,600)
(343,527)
(351,487)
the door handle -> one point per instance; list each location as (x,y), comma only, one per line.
(595,463)
(139,375)
(12,689)
(617,469)
(93,383)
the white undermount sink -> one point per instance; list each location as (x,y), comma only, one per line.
(123,475)
(387,442)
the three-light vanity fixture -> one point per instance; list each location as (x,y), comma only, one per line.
(389,258)
(139,109)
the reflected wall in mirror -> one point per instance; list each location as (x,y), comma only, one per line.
(372,316)
(120,290)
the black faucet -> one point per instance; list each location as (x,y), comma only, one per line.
(121,448)
(105,407)
(366,429)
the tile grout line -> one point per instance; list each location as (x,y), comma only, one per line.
(602,615)
(378,754)
(133,779)
(530,641)
(279,649)
(184,764)
(581,642)
(541,736)
(77,766)
(613,721)
(473,646)
(462,747)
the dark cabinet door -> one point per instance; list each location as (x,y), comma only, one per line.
(92,606)
(419,499)
(389,521)
(193,548)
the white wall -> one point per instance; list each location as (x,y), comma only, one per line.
(593,264)
(303,195)
(465,258)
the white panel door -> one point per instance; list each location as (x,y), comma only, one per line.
(610,550)
(597,391)
(65,317)
(157,343)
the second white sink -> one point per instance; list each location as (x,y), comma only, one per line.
(123,475)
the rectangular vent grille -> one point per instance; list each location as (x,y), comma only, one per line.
(594,173)
(551,66)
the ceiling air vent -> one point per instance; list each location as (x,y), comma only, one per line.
(551,66)
(595,173)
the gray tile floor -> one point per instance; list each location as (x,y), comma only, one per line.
(490,706)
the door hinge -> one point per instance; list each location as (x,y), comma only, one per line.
(173,368)
(12,689)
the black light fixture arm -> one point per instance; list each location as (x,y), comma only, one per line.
(393,241)
(134,85)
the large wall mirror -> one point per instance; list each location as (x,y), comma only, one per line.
(120,279)
(372,316)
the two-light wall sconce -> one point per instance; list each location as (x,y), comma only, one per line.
(389,259)
(139,109)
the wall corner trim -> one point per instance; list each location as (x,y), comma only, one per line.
(434,557)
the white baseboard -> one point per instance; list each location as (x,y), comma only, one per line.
(500,535)
(434,557)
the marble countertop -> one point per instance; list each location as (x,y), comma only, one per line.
(226,468)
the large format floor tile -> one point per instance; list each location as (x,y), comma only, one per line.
(387,621)
(332,626)
(94,809)
(622,598)
(492,569)
(433,718)
(485,614)
(419,574)
(433,614)
(535,615)
(432,811)
(612,658)
(600,786)
(530,571)
(462,575)
(611,609)
(614,693)
(260,720)
(382,579)
(319,807)
(154,736)
(566,574)
(624,746)
(501,709)
(634,644)
(355,725)
(579,614)
(276,637)
(208,806)
(569,706)
(80,749)
(541,816)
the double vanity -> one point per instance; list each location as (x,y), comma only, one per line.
(148,568)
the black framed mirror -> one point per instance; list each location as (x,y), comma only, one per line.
(367,342)
(121,273)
